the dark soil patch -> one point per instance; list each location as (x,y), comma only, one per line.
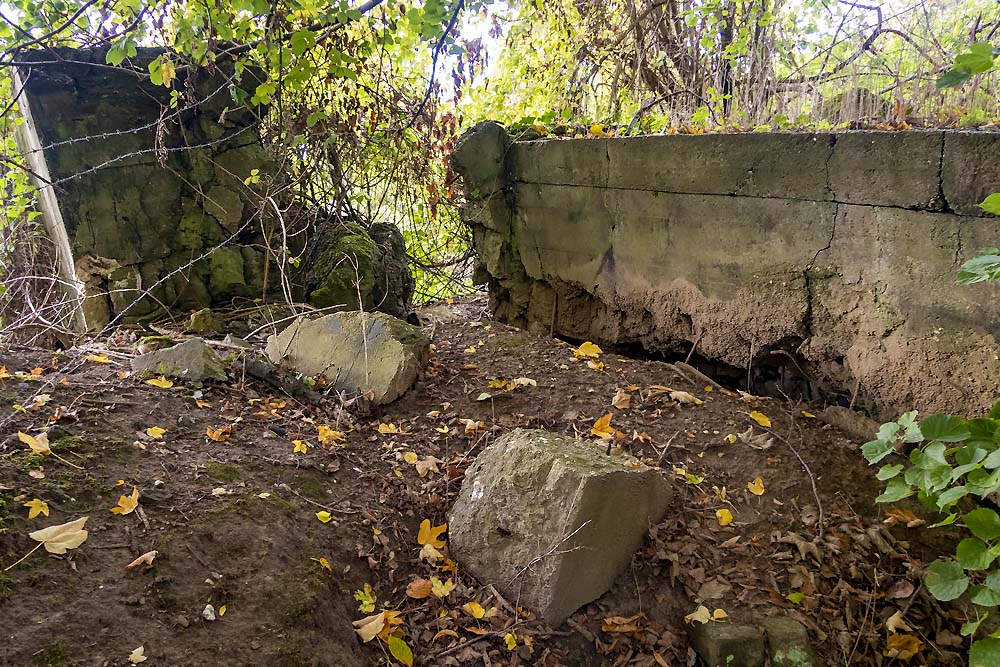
(235,522)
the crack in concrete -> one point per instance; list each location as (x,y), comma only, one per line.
(945,207)
(831,143)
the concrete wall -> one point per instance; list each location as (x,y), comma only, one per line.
(834,252)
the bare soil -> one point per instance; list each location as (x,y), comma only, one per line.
(235,522)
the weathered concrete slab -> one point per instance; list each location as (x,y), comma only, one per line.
(727,644)
(191,360)
(553,521)
(561,162)
(715,164)
(357,352)
(887,169)
(788,643)
(970,171)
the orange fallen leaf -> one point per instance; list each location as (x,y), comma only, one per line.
(220,434)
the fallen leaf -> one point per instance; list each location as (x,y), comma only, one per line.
(444,633)
(428,467)
(323,516)
(39,444)
(796,598)
(36,507)
(622,400)
(441,589)
(595,365)
(299,447)
(442,429)
(431,535)
(684,397)
(689,477)
(724,516)
(895,623)
(510,640)
(324,563)
(474,609)
(58,539)
(98,358)
(756,487)
(471,425)
(220,434)
(621,624)
(418,589)
(587,350)
(145,559)
(808,415)
(369,627)
(222,611)
(155,432)
(127,504)
(161,382)
(699,615)
(430,554)
(471,349)
(602,427)
(400,650)
(328,436)
(731,438)
(761,419)
(366,598)
(905,517)
(902,647)
(388,429)
(138,655)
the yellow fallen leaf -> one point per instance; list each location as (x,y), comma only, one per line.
(161,382)
(220,434)
(155,432)
(36,507)
(299,447)
(98,358)
(731,438)
(431,535)
(602,427)
(510,640)
(756,487)
(39,444)
(905,517)
(761,419)
(222,611)
(366,599)
(724,516)
(474,609)
(902,646)
(328,436)
(808,415)
(127,504)
(388,429)
(444,633)
(699,615)
(324,563)
(138,655)
(58,539)
(441,589)
(587,350)
(323,516)
(595,365)
(719,614)
(597,130)
(411,457)
(470,350)
(442,429)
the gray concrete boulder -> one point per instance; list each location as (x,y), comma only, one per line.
(191,360)
(788,643)
(728,645)
(553,521)
(355,351)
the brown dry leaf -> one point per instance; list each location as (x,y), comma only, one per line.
(685,397)
(58,539)
(418,589)
(220,434)
(901,589)
(145,559)
(369,627)
(428,467)
(621,624)
(622,400)
(905,517)
(896,623)
(444,633)
(902,647)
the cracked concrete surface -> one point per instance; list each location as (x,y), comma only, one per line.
(835,250)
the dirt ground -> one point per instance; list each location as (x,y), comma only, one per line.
(234,522)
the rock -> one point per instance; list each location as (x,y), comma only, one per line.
(788,643)
(236,341)
(191,360)
(204,321)
(728,645)
(355,351)
(553,521)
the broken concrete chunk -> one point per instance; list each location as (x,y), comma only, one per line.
(204,321)
(728,645)
(191,360)
(355,351)
(788,643)
(553,521)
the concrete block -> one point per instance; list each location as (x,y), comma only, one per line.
(788,643)
(887,169)
(971,170)
(728,645)
(553,521)
(561,162)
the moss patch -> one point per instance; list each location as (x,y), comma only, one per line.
(223,472)
(312,488)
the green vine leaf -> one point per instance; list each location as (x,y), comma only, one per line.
(946,580)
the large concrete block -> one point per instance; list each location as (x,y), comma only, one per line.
(357,352)
(561,162)
(971,170)
(553,521)
(888,169)
(755,165)
(480,157)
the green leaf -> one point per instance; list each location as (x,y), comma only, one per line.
(973,554)
(984,597)
(896,489)
(947,521)
(991,204)
(889,471)
(946,580)
(951,496)
(970,628)
(984,523)
(984,653)
(978,59)
(995,409)
(876,450)
(400,651)
(953,78)
(944,428)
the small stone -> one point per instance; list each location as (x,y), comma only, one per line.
(208,613)
(191,360)
(728,645)
(204,321)
(788,643)
(236,341)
